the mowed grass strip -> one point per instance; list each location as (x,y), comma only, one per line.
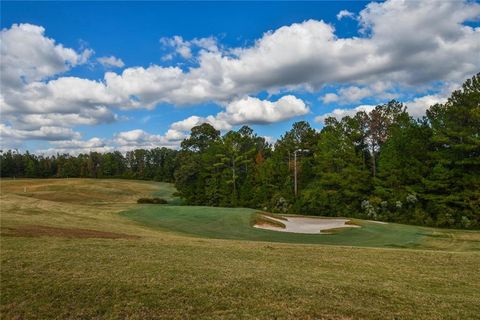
(170,274)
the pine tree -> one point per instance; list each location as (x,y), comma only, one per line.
(453,187)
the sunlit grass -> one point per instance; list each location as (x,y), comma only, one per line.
(170,273)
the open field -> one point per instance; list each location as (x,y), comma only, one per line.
(83,249)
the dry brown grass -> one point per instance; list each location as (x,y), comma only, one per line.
(71,233)
(80,191)
(165,275)
(54,203)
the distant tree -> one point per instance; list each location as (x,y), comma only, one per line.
(193,178)
(404,162)
(201,137)
(340,181)
(379,122)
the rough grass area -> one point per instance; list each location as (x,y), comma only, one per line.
(39,231)
(168,274)
(84,191)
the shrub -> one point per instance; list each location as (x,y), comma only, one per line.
(152,200)
(411,198)
(280,204)
(369,209)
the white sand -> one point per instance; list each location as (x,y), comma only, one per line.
(306,225)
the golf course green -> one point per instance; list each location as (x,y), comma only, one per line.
(236,223)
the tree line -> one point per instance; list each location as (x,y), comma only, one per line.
(156,164)
(381,165)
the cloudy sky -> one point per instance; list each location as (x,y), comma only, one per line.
(116,76)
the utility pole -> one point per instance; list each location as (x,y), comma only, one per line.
(295,171)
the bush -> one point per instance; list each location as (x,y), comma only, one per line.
(152,200)
(279,204)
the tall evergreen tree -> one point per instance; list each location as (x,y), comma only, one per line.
(453,187)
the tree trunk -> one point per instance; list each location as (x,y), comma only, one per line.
(374,166)
(234,180)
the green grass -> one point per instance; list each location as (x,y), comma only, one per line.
(173,273)
(235,223)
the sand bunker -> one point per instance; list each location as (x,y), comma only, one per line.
(305,224)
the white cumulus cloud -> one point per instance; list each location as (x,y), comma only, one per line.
(251,110)
(50,133)
(345,14)
(111,61)
(411,45)
(248,110)
(340,113)
(354,94)
(184,48)
(28,55)
(139,138)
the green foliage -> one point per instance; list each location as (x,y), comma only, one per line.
(382,165)
(219,171)
(156,164)
(453,186)
(340,177)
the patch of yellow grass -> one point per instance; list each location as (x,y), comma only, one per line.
(79,190)
(87,203)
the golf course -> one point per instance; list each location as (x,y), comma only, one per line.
(84,249)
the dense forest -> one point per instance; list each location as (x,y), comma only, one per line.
(382,165)
(155,164)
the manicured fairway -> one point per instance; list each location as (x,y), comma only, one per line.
(228,223)
(83,249)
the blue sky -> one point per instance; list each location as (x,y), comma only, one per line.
(361,57)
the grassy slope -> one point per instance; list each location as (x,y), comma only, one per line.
(169,275)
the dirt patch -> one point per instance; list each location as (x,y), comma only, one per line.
(353,223)
(272,215)
(266,221)
(39,231)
